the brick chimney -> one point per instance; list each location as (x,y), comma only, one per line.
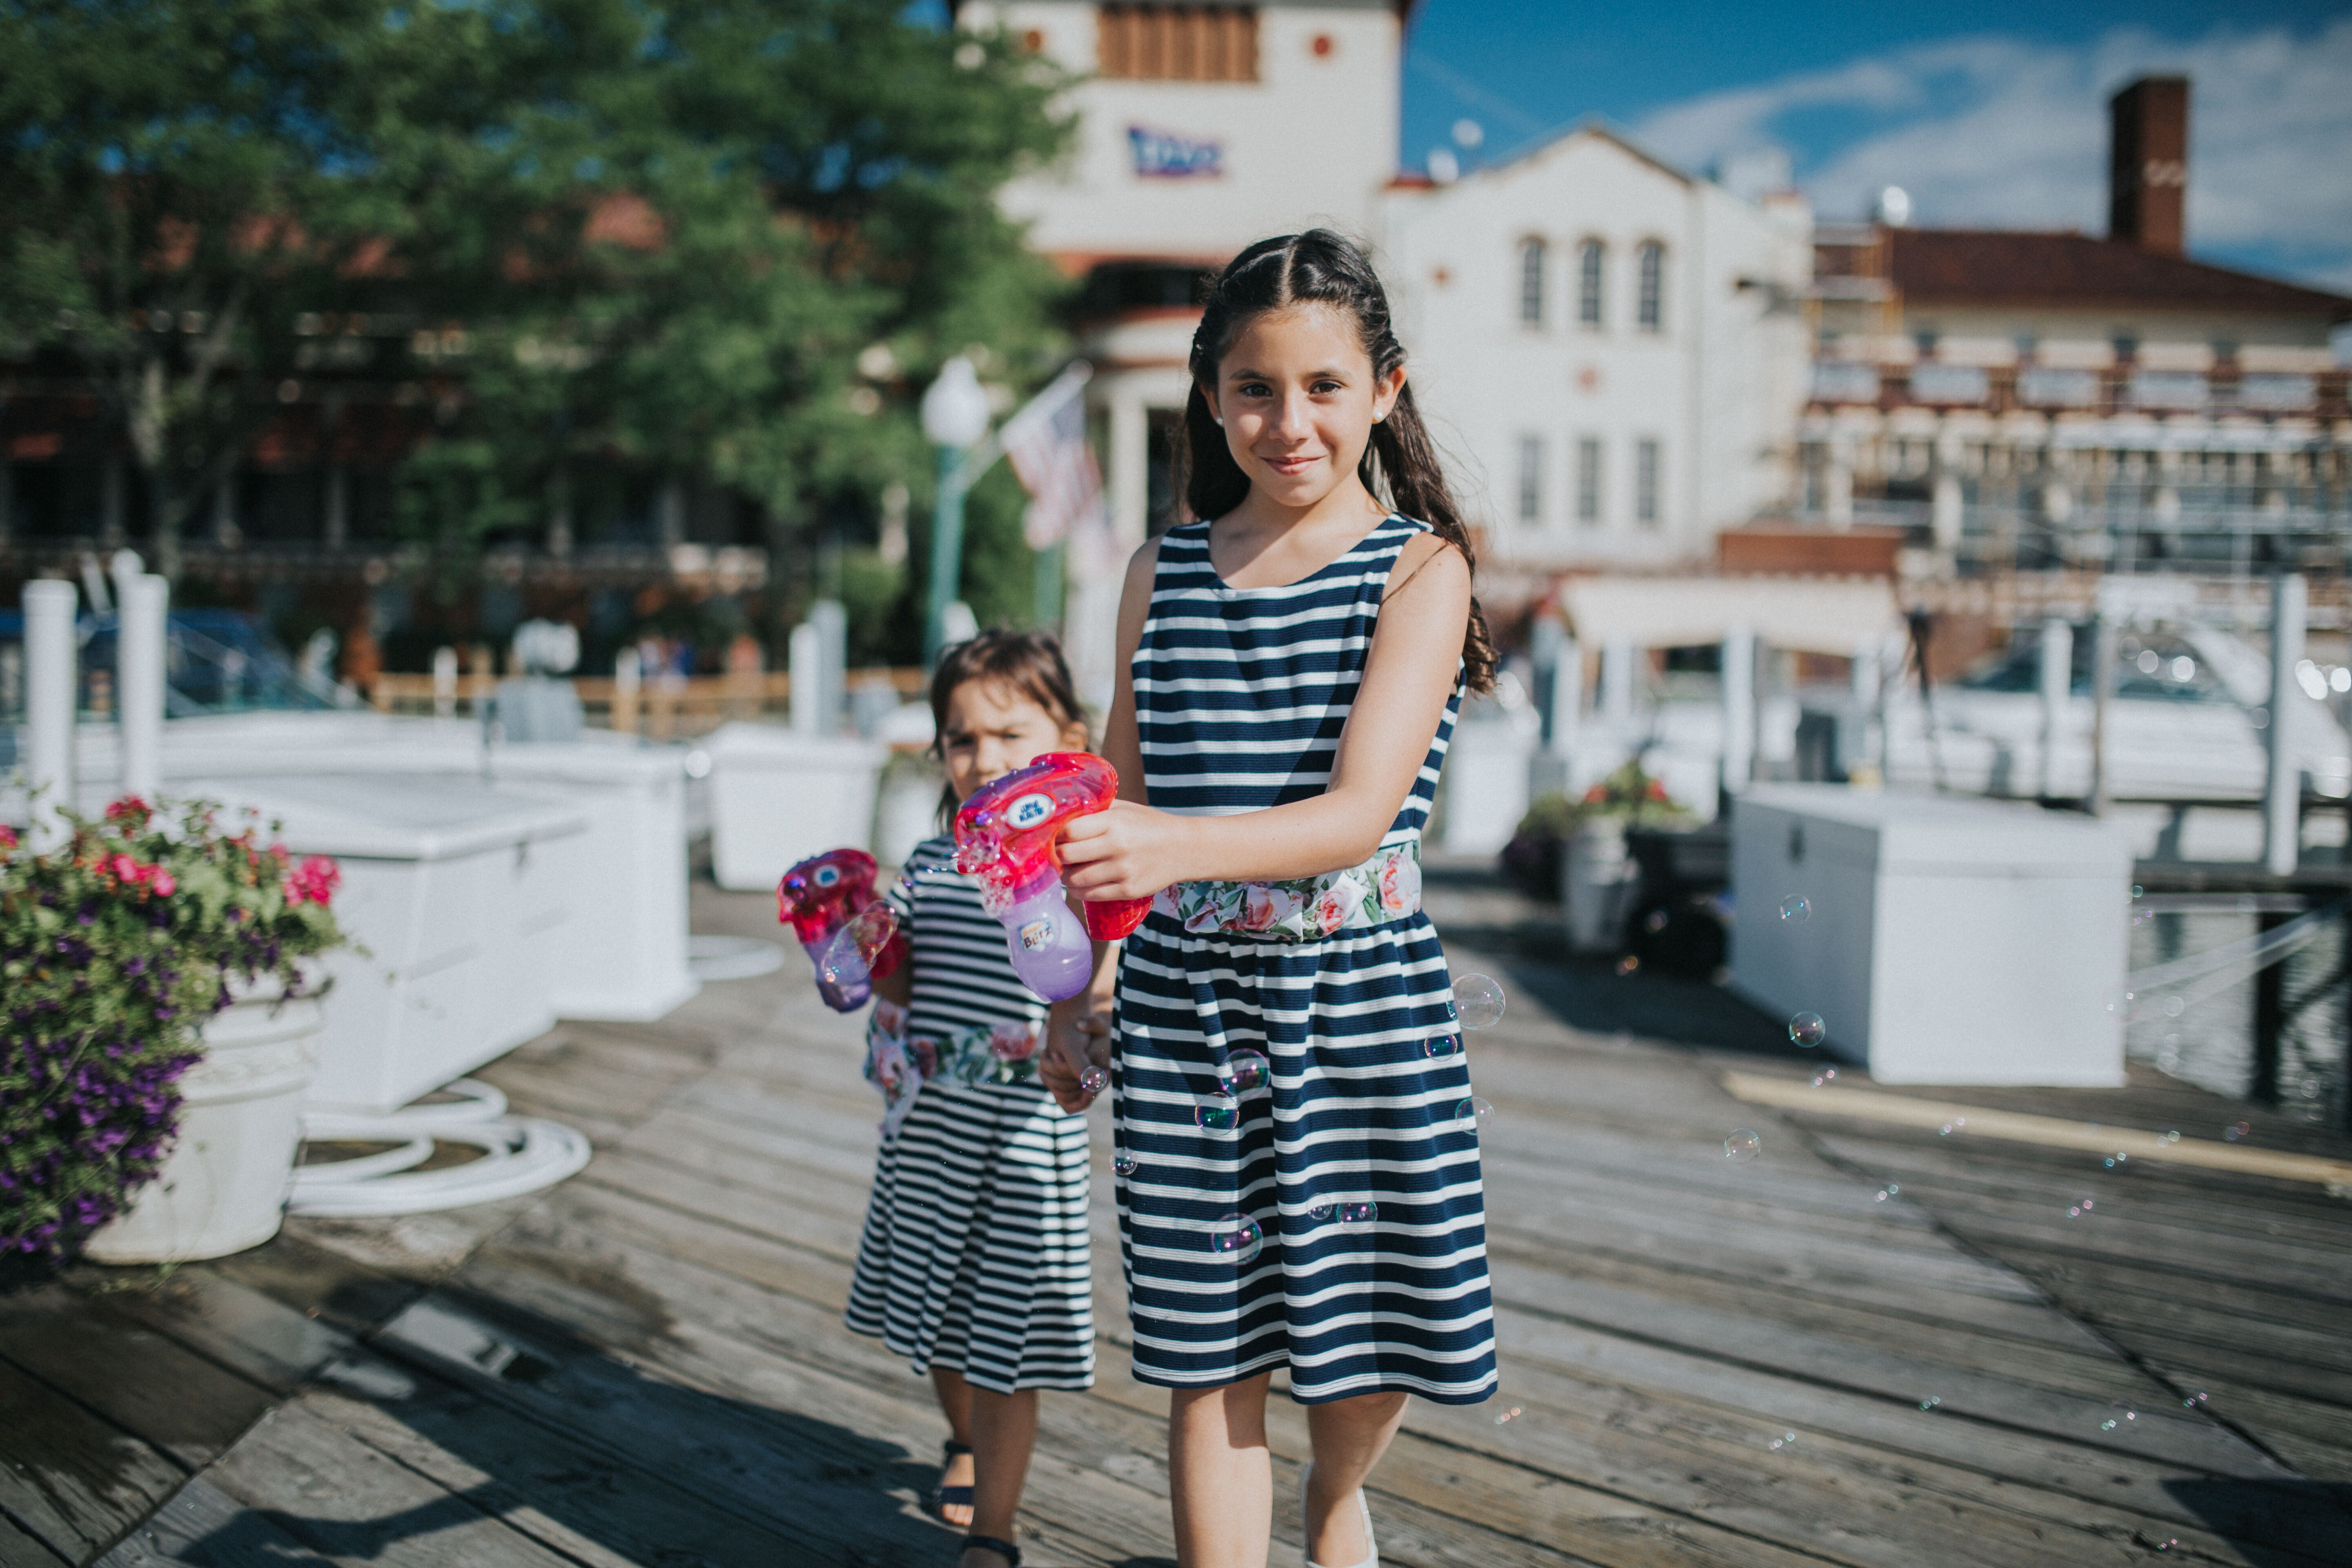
(2147,163)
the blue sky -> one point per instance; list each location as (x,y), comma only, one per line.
(1992,114)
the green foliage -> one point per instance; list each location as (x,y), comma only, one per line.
(607,229)
(114,951)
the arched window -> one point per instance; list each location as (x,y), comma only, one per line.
(1590,258)
(1649,314)
(1532,253)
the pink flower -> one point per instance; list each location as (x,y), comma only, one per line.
(1330,911)
(1012,1042)
(128,806)
(7,836)
(1258,907)
(125,869)
(1400,886)
(162,881)
(314,881)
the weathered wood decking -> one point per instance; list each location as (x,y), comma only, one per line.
(1715,1363)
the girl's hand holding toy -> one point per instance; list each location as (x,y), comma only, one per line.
(850,935)
(1006,835)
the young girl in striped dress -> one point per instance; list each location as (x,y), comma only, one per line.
(974,1262)
(1290,671)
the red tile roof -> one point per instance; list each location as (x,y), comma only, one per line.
(2000,266)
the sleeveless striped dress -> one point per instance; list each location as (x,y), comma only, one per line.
(1332,1221)
(975,1255)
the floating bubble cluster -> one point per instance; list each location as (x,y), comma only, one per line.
(1782,1441)
(1953,1125)
(1808,1030)
(1891,1190)
(2124,1005)
(2118,1415)
(1477,1002)
(1237,1238)
(1348,1216)
(1217,1118)
(1442,1044)
(2238,1130)
(1794,908)
(1474,1111)
(1627,964)
(2078,1211)
(1931,1401)
(1742,1146)
(1825,1076)
(2118,1158)
(2195,1400)
(1507,1416)
(1094,1080)
(1244,1072)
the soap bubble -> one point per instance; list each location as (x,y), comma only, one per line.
(1474,1111)
(1094,1080)
(1217,1118)
(2117,1159)
(2174,1006)
(1931,1401)
(1237,1238)
(1507,1416)
(849,956)
(1795,908)
(1122,1164)
(1655,921)
(2238,1130)
(1358,1213)
(2118,1415)
(2124,1005)
(1782,1441)
(1627,964)
(2194,1400)
(1477,1002)
(1742,1146)
(1808,1030)
(1442,1044)
(1245,1071)
(1826,1076)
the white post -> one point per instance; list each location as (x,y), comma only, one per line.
(444,683)
(1866,677)
(49,692)
(807,655)
(1617,682)
(2057,684)
(832,623)
(1567,696)
(141,632)
(1738,659)
(2282,795)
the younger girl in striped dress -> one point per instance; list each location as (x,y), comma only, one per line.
(975,1263)
(1290,668)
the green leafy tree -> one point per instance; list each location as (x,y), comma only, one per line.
(732,237)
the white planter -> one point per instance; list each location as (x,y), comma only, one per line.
(1595,880)
(223,1187)
(778,796)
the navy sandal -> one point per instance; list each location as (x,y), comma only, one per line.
(1004,1549)
(945,1497)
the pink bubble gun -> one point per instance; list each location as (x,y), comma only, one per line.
(1006,835)
(851,936)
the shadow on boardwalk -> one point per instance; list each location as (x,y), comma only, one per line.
(1875,1345)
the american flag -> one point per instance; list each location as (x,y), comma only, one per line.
(1046,442)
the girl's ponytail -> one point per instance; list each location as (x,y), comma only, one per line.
(1399,465)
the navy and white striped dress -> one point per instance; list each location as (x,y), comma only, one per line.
(975,1253)
(1358,1165)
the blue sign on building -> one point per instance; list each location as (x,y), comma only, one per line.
(1162,155)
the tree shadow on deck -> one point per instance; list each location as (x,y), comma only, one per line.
(2249,1514)
(527,1422)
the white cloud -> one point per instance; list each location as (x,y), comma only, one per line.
(2006,132)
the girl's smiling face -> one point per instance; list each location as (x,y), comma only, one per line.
(994,728)
(1297,397)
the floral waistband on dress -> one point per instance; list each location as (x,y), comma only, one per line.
(1304,908)
(899,1063)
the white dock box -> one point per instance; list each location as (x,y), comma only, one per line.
(461,892)
(1948,941)
(778,796)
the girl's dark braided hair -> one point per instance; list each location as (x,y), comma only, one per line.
(1400,464)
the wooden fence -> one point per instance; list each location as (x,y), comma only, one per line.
(662,709)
